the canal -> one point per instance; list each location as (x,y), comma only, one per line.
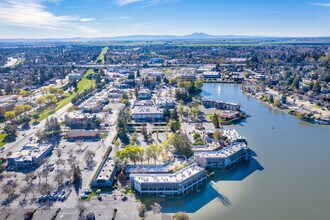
(288,177)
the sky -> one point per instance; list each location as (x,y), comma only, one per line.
(107,18)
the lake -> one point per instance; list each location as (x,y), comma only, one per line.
(288,177)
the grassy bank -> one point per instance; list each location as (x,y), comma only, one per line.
(83,84)
(18,62)
(2,139)
(100,58)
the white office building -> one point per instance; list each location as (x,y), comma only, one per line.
(29,155)
(147,113)
(169,184)
(105,175)
(226,157)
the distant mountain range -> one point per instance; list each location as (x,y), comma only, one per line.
(194,36)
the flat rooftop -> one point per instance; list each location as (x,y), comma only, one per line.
(147,110)
(105,172)
(161,168)
(30,151)
(223,153)
(79,115)
(177,177)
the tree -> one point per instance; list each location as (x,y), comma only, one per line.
(271,98)
(197,138)
(174,125)
(181,216)
(134,139)
(174,115)
(10,115)
(153,151)
(89,155)
(142,210)
(180,143)
(217,135)
(216,121)
(156,208)
(277,103)
(295,83)
(144,131)
(199,84)
(10,130)
(76,174)
(200,160)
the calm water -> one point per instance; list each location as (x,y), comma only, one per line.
(289,177)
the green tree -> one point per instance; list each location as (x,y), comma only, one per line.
(174,125)
(10,130)
(217,135)
(180,143)
(277,103)
(153,151)
(10,115)
(216,121)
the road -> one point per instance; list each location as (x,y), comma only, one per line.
(22,140)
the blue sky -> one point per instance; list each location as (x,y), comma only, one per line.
(97,18)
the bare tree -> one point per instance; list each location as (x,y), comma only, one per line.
(58,152)
(25,190)
(200,160)
(89,155)
(28,178)
(59,177)
(45,174)
(156,208)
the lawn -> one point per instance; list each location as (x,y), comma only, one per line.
(83,84)
(18,62)
(2,138)
(100,58)
(89,197)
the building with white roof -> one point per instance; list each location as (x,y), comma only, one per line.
(226,157)
(153,168)
(147,113)
(78,119)
(215,103)
(144,94)
(29,155)
(211,75)
(105,175)
(169,184)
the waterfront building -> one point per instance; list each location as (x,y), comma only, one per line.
(226,157)
(215,103)
(30,155)
(169,184)
(211,75)
(105,174)
(153,168)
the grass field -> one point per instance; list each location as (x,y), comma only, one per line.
(18,62)
(2,138)
(83,84)
(100,58)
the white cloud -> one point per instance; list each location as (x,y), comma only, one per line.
(127,2)
(86,19)
(124,18)
(144,2)
(32,13)
(321,4)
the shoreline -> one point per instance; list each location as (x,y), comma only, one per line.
(287,110)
